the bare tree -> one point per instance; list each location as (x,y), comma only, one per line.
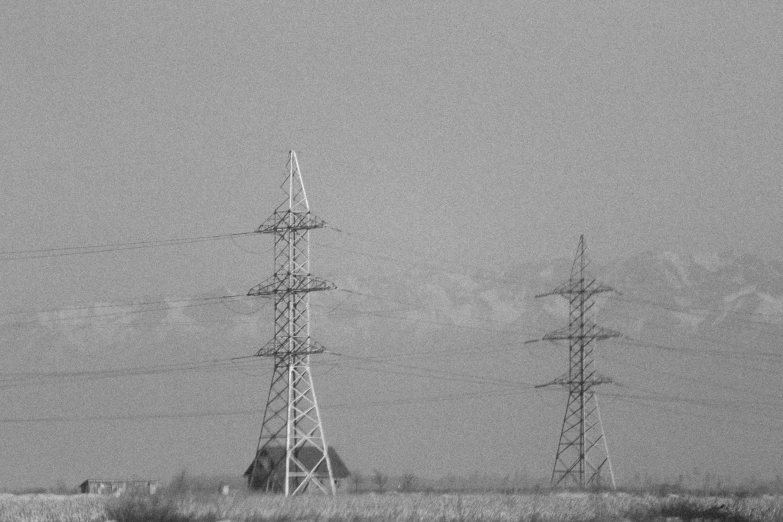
(380,480)
(356,481)
(407,483)
(180,483)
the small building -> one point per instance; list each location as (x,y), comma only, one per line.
(118,487)
(270,471)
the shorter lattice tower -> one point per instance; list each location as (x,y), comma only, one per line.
(582,452)
(292,455)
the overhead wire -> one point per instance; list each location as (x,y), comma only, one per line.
(635,402)
(169,303)
(734,314)
(398,368)
(254,252)
(478,272)
(15,379)
(9,379)
(147,324)
(412,307)
(652,400)
(436,373)
(613,296)
(735,405)
(738,354)
(39,253)
(613,358)
(712,383)
(54,419)
(438,268)
(420,400)
(383,314)
(127,417)
(736,408)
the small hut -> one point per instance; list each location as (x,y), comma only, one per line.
(270,471)
(118,487)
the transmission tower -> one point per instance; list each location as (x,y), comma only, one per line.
(582,451)
(292,455)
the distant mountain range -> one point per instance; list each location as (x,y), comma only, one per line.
(690,292)
(698,291)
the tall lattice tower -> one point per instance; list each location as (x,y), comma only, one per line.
(582,452)
(292,455)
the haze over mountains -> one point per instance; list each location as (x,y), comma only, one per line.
(426,372)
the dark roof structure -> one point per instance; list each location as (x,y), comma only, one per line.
(309,456)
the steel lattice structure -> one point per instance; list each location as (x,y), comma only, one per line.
(582,451)
(292,420)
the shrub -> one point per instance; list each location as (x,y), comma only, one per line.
(146,508)
(380,480)
(686,509)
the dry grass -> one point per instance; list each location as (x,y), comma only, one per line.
(562,507)
(52,508)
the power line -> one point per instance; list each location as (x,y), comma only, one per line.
(422,372)
(437,373)
(13,255)
(431,266)
(147,324)
(354,405)
(407,307)
(16,379)
(172,303)
(121,372)
(733,406)
(421,400)
(444,352)
(439,268)
(128,417)
(690,308)
(741,353)
(238,412)
(722,385)
(416,320)
(634,402)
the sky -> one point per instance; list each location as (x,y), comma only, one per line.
(456,133)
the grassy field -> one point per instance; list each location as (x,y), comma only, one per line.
(77,508)
(389,507)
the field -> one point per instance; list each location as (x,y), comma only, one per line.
(390,507)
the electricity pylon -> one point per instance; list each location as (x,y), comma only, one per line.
(292,455)
(582,451)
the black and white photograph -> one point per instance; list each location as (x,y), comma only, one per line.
(415,260)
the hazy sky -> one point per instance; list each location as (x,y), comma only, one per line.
(479,133)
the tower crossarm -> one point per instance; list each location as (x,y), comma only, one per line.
(566,381)
(563,380)
(290,284)
(285,220)
(308,347)
(570,333)
(575,287)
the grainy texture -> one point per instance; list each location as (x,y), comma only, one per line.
(561,507)
(52,508)
(486,507)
